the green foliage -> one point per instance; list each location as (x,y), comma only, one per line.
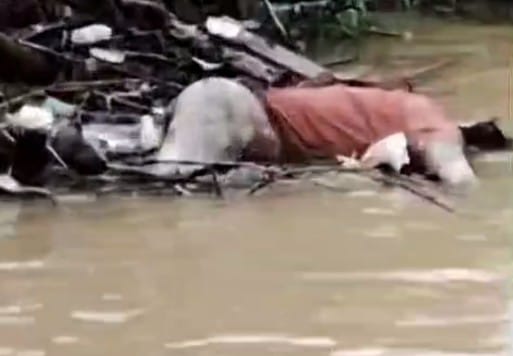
(355,19)
(345,18)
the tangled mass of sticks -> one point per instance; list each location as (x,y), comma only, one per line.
(111,73)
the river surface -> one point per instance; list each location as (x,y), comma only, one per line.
(295,271)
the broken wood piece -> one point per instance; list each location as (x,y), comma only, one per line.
(252,66)
(428,69)
(232,32)
(341,61)
(414,188)
(389,33)
(276,20)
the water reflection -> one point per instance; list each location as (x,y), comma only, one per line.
(25,236)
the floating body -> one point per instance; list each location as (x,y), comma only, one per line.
(220,120)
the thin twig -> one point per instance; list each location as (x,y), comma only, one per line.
(341,61)
(261,185)
(20,98)
(383,32)
(399,181)
(412,187)
(217,187)
(7,135)
(87,84)
(279,25)
(46,50)
(112,97)
(182,190)
(329,186)
(216,164)
(57,156)
(428,69)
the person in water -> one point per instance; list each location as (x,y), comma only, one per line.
(218,119)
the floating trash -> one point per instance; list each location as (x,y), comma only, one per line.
(91,34)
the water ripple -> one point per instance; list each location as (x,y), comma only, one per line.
(313,342)
(107,317)
(379,211)
(19,309)
(383,232)
(431,276)
(426,321)
(362,193)
(18,265)
(31,353)
(65,340)
(7,351)
(399,352)
(16,320)
(112,297)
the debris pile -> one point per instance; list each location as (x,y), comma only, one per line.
(104,77)
(87,93)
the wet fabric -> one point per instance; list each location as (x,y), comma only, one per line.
(318,123)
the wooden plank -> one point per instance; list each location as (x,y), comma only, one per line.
(232,32)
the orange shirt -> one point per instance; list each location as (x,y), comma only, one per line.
(315,123)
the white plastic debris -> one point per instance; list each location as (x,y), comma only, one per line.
(58,107)
(107,55)
(149,137)
(349,162)
(8,183)
(31,117)
(91,34)
(158,111)
(392,150)
(207,66)
(223,27)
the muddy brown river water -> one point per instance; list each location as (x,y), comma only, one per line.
(299,271)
